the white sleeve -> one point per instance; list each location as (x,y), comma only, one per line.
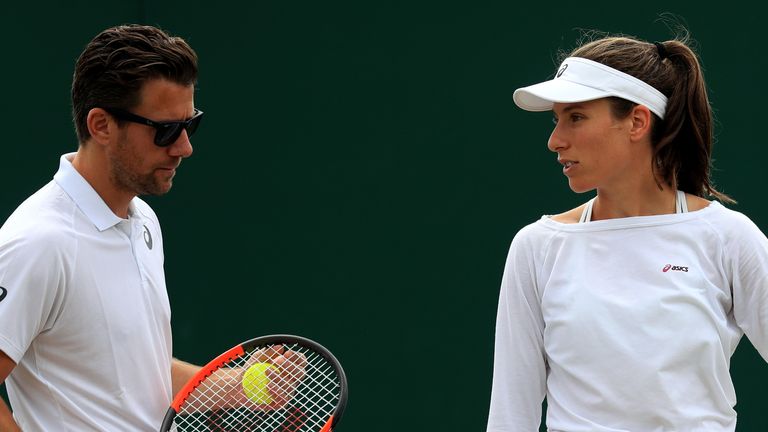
(31,277)
(519,370)
(747,251)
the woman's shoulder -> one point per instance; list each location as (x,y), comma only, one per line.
(546,227)
(571,216)
(696,202)
(729,222)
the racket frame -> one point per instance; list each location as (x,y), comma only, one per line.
(250,345)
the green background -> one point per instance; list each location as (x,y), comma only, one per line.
(361,171)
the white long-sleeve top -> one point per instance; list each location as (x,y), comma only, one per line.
(628,324)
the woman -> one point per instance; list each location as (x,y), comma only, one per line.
(624,312)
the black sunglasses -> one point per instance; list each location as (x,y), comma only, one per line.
(166,132)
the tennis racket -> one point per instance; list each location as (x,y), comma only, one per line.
(277,383)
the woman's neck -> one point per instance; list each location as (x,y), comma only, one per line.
(645,200)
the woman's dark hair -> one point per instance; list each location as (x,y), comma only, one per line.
(682,141)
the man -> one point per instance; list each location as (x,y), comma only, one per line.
(85,335)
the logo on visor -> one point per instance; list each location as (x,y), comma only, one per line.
(147,237)
(562,69)
(3,293)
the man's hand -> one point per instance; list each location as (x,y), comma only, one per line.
(290,371)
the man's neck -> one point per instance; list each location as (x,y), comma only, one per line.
(92,166)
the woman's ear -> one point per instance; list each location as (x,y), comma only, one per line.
(641,122)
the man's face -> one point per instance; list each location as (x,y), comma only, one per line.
(137,165)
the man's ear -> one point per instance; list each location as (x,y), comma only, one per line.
(100,125)
(641,122)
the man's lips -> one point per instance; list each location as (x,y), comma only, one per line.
(169,168)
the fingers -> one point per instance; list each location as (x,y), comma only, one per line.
(265,355)
(289,369)
(283,381)
(292,365)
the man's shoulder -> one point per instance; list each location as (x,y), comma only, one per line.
(143,209)
(39,219)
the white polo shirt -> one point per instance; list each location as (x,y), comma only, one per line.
(85,314)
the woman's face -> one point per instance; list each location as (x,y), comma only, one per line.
(592,145)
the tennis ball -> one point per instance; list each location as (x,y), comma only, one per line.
(255,383)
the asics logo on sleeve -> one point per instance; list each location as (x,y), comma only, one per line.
(3,293)
(147,237)
(669,267)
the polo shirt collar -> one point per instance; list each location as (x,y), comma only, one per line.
(85,197)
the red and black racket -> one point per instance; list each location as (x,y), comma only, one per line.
(278,383)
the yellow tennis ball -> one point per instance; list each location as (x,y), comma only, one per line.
(255,383)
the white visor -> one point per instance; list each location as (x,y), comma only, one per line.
(581,80)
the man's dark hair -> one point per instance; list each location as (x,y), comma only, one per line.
(118,61)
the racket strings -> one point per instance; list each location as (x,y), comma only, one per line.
(290,399)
